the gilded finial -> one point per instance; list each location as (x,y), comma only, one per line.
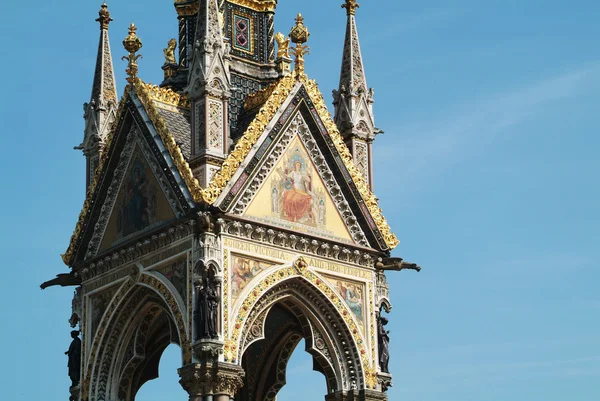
(104,16)
(350,6)
(299,35)
(132,44)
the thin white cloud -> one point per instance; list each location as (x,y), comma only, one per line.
(426,148)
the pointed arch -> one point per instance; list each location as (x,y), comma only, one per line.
(144,317)
(317,314)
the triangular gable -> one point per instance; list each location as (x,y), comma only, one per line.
(293,196)
(140,204)
(139,135)
(297,97)
(270,113)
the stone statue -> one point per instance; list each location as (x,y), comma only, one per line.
(74,353)
(170,52)
(206,310)
(384,344)
(283,46)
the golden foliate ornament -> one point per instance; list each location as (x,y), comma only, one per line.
(350,6)
(299,35)
(132,44)
(104,16)
(299,32)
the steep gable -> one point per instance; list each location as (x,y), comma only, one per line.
(137,186)
(293,196)
(251,169)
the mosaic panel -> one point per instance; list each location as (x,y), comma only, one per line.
(243,270)
(294,196)
(242,33)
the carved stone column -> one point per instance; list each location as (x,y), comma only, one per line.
(219,381)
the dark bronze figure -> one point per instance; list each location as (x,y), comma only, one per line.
(74,354)
(206,310)
(384,344)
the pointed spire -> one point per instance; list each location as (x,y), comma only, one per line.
(104,89)
(353,102)
(352,77)
(210,49)
(101,110)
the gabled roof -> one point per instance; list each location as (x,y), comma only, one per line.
(169,114)
(276,95)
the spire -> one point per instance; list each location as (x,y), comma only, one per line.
(353,102)
(100,111)
(104,89)
(209,90)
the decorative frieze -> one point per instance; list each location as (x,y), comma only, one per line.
(297,242)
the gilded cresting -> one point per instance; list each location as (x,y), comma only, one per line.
(147,93)
(279,92)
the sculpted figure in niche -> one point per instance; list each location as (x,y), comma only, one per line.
(384,344)
(206,310)
(74,354)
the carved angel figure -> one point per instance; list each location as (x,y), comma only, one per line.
(283,46)
(170,52)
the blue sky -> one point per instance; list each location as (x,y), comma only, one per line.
(487,171)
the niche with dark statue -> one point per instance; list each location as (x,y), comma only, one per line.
(207,307)
(74,354)
(383,340)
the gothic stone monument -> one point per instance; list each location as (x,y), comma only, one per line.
(228,212)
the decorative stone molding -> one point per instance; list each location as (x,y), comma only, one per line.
(384,381)
(207,349)
(134,251)
(298,242)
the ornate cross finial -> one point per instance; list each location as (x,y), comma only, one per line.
(299,35)
(350,6)
(104,16)
(132,44)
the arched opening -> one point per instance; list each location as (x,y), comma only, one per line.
(302,381)
(266,361)
(294,315)
(137,335)
(166,386)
